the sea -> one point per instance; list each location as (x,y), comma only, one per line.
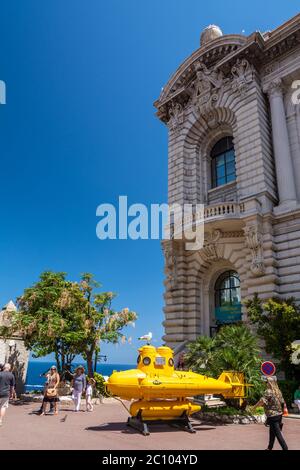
(35,382)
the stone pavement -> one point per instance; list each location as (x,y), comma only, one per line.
(105,428)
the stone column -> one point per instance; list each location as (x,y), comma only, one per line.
(281,146)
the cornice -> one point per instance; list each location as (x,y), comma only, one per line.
(258,49)
(210,54)
(283,31)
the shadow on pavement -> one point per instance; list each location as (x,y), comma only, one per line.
(154,428)
(20,403)
(207,423)
(111,427)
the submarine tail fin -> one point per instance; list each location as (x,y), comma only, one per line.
(237,382)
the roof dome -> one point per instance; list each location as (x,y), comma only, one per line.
(210,33)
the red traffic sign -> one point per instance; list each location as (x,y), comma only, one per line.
(268,368)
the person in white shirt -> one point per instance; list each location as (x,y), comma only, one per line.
(89,394)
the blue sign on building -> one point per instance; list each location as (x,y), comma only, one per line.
(229,313)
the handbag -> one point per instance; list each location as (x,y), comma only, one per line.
(51,392)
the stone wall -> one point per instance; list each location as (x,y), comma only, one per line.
(12,350)
(287,239)
(18,357)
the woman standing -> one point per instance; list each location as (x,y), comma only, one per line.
(273,403)
(50,390)
(79,386)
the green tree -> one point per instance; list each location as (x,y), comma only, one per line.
(68,319)
(49,318)
(200,355)
(103,323)
(278,324)
(234,347)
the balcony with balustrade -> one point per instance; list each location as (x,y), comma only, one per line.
(228,216)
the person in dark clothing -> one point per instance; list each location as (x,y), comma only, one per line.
(273,403)
(67,375)
(7,386)
(51,411)
(50,390)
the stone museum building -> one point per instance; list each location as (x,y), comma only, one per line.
(233,121)
(13,350)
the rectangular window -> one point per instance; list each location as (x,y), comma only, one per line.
(221,181)
(223,162)
(221,171)
(230,168)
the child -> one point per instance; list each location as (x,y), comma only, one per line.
(89,393)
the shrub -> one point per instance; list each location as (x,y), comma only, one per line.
(233,348)
(231,411)
(100,385)
(278,324)
(288,388)
(255,410)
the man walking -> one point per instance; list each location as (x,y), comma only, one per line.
(7,386)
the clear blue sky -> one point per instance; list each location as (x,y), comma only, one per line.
(79,129)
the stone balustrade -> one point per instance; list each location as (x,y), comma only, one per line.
(220,211)
(223,210)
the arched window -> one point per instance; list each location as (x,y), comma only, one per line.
(223,162)
(227,289)
(228,308)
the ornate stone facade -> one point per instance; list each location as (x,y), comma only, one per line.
(239,87)
(12,350)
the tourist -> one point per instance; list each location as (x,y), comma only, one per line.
(7,386)
(14,393)
(273,403)
(89,393)
(51,412)
(79,385)
(50,391)
(180,365)
(297,398)
(67,375)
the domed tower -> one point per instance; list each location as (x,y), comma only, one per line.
(209,34)
(12,349)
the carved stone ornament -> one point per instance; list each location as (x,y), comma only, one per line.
(170,263)
(274,88)
(206,87)
(234,234)
(176,117)
(271,68)
(242,73)
(212,119)
(210,248)
(254,243)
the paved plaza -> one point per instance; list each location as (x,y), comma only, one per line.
(105,428)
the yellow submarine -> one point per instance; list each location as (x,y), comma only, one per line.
(161,393)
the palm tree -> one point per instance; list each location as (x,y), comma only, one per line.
(237,349)
(233,348)
(199,354)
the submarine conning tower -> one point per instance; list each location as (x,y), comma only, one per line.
(156,361)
